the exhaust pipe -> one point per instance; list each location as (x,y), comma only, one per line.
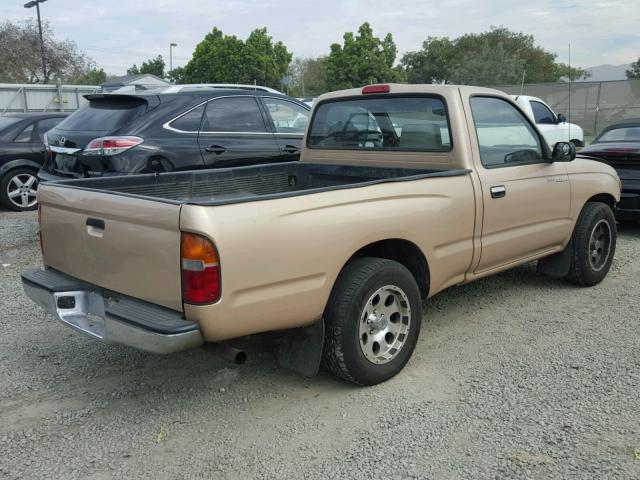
(229,353)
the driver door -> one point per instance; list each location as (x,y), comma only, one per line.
(526,198)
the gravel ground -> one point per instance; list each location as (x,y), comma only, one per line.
(515,376)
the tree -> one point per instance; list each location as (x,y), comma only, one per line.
(308,76)
(634,72)
(362,59)
(21,57)
(223,58)
(176,75)
(495,57)
(95,76)
(153,66)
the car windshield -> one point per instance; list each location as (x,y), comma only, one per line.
(622,134)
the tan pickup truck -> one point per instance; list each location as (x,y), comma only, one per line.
(401,191)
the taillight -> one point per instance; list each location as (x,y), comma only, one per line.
(376,89)
(40,229)
(107,146)
(200,267)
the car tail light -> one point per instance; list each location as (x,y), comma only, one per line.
(376,89)
(107,146)
(40,229)
(200,267)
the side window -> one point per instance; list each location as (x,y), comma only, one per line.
(287,117)
(25,135)
(190,121)
(505,137)
(43,126)
(541,113)
(233,114)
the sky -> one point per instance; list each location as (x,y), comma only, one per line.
(119,33)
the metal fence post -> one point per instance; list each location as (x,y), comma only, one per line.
(595,122)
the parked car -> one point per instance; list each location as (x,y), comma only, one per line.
(339,249)
(619,146)
(554,127)
(21,149)
(154,132)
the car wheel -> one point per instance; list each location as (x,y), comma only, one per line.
(593,244)
(18,189)
(372,321)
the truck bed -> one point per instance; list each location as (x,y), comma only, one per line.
(243,184)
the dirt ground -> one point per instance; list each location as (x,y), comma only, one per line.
(515,376)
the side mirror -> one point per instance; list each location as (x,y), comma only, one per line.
(561,118)
(563,152)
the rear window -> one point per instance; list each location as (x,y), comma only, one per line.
(103,115)
(623,134)
(389,123)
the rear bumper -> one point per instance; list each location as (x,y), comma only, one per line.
(109,317)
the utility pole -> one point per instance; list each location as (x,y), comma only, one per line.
(31,4)
(171,45)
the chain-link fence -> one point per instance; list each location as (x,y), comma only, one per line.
(592,105)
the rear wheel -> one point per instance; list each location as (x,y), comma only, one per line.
(18,189)
(372,321)
(593,244)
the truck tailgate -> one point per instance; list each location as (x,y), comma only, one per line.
(124,244)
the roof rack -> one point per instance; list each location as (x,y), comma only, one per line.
(197,86)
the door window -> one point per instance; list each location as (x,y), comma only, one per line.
(541,113)
(233,114)
(25,135)
(287,117)
(43,126)
(505,137)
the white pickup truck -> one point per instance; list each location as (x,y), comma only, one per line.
(554,127)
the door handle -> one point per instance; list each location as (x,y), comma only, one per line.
(498,191)
(95,223)
(217,149)
(290,149)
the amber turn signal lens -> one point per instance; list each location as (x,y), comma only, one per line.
(196,247)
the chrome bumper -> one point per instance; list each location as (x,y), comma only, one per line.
(108,317)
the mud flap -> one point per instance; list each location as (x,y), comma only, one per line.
(301,349)
(558,264)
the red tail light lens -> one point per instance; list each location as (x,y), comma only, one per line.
(107,146)
(376,89)
(200,267)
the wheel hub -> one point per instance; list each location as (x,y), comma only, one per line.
(385,321)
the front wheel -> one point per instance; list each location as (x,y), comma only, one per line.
(18,189)
(372,321)
(593,244)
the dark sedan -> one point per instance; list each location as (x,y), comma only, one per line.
(21,156)
(180,128)
(619,146)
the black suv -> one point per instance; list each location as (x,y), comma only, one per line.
(176,129)
(21,137)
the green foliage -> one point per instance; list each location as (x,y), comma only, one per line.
(153,66)
(634,72)
(176,75)
(363,59)
(223,58)
(496,57)
(95,76)
(308,76)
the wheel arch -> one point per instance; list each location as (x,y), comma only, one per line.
(19,163)
(402,251)
(602,198)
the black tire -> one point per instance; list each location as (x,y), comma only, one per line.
(6,184)
(584,270)
(357,283)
